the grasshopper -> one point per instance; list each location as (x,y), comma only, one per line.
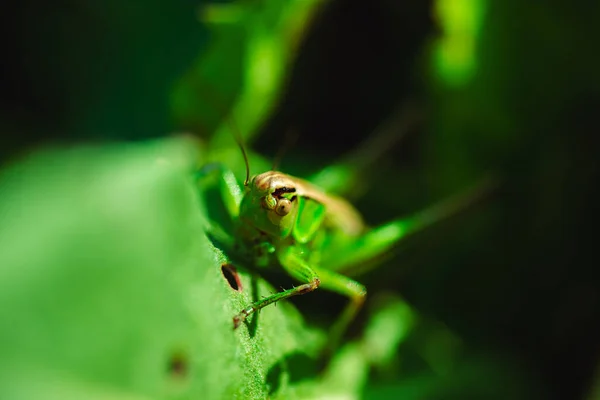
(314,236)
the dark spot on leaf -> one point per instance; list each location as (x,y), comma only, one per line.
(230,273)
(178,365)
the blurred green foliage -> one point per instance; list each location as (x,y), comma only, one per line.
(244,68)
(456,56)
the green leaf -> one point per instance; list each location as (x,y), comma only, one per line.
(243,71)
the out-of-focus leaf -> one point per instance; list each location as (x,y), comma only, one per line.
(244,69)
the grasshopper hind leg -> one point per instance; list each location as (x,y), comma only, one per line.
(345,175)
(353,255)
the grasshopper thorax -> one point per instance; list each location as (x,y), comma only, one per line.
(270,204)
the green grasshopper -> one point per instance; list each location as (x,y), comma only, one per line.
(287,222)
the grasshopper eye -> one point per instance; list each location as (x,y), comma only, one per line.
(284,206)
(269,202)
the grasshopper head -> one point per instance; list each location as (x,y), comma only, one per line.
(270,205)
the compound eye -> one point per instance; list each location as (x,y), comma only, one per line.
(269,202)
(284,206)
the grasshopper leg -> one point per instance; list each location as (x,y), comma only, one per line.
(230,190)
(344,176)
(356,253)
(231,196)
(350,288)
(299,270)
(311,279)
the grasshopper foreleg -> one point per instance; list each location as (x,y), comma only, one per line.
(299,270)
(312,278)
(251,309)
(229,188)
(348,287)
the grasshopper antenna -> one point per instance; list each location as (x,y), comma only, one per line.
(238,138)
(208,89)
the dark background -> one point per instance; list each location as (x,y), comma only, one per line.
(514,277)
